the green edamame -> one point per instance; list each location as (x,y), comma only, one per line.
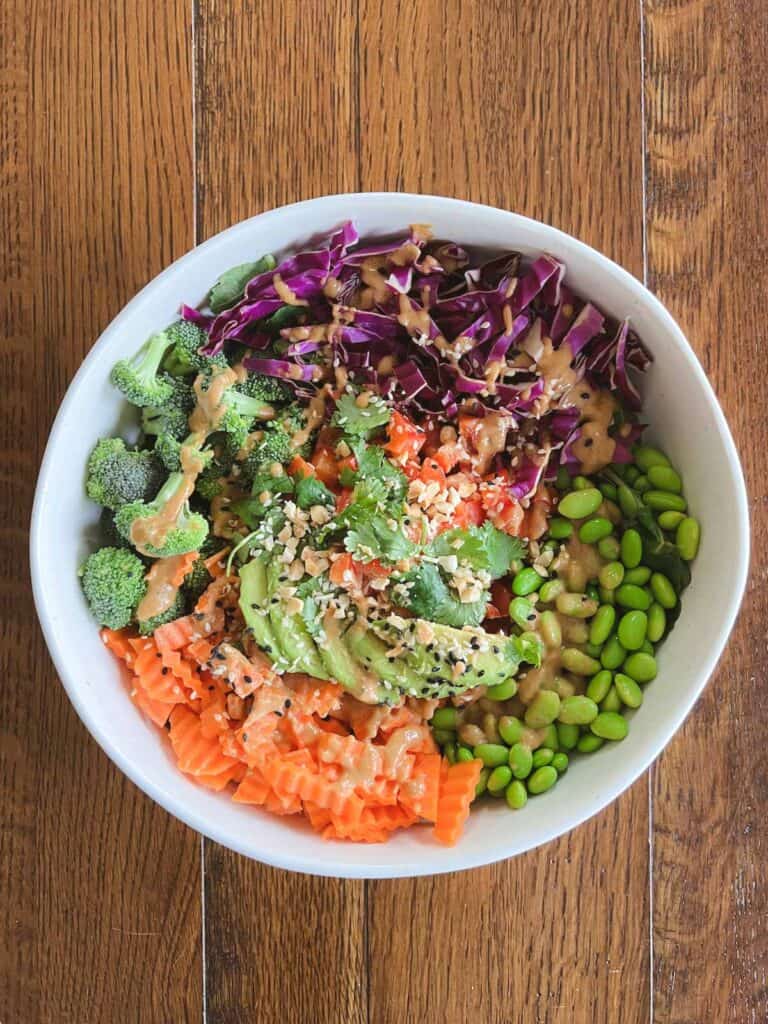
(443,736)
(611,575)
(595,529)
(593,650)
(577,606)
(663,501)
(550,590)
(663,591)
(499,779)
(657,623)
(628,690)
(609,548)
(567,735)
(464,754)
(542,756)
(631,473)
(581,483)
(578,710)
(628,501)
(549,737)
(560,529)
(589,743)
(526,581)
(669,520)
(687,538)
(516,795)
(608,491)
(664,478)
(445,718)
(645,457)
(510,729)
(641,666)
(597,688)
(606,596)
(642,484)
(549,627)
(560,763)
(580,504)
(578,662)
(449,750)
(639,576)
(632,630)
(631,548)
(602,624)
(610,725)
(542,779)
(491,754)
(629,595)
(647,647)
(520,760)
(611,701)
(502,691)
(543,709)
(563,479)
(613,653)
(482,782)
(522,613)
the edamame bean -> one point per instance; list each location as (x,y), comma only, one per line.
(609,548)
(610,725)
(464,754)
(445,718)
(638,576)
(602,624)
(641,666)
(516,795)
(560,529)
(687,538)
(611,575)
(664,478)
(443,736)
(598,687)
(606,596)
(580,504)
(520,760)
(563,479)
(631,473)
(613,653)
(543,709)
(560,763)
(549,737)
(542,779)
(482,782)
(542,756)
(631,548)
(657,623)
(578,710)
(628,501)
(589,743)
(592,591)
(633,627)
(449,750)
(647,647)
(593,650)
(595,529)
(502,691)
(490,728)
(645,457)
(526,581)
(670,520)
(581,483)
(579,663)
(575,632)
(499,779)
(663,501)
(549,627)
(550,590)
(567,735)
(522,613)
(628,595)
(628,690)
(663,591)
(608,491)
(491,754)
(642,484)
(510,729)
(577,606)
(611,701)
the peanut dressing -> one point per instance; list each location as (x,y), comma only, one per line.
(286,293)
(161,588)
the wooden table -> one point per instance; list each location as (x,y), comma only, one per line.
(131,130)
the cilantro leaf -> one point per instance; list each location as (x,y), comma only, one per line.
(375,537)
(231,285)
(430,598)
(355,419)
(376,479)
(311,491)
(482,547)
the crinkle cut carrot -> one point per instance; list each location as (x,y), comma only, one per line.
(457,791)
(287,778)
(156,710)
(118,642)
(178,633)
(421,792)
(157,680)
(252,790)
(222,779)
(196,753)
(314,696)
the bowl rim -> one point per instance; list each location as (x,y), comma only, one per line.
(412,864)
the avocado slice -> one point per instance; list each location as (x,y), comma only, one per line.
(254,606)
(432,652)
(371,652)
(344,668)
(293,637)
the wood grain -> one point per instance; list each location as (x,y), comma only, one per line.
(707,110)
(99,888)
(486,101)
(277,122)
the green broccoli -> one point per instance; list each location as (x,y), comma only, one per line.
(266,389)
(138,378)
(108,531)
(276,443)
(198,578)
(113,583)
(209,484)
(117,475)
(172,417)
(177,609)
(185,357)
(187,533)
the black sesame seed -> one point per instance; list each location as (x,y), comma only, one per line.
(288,702)
(247,679)
(158,654)
(588,443)
(531,617)
(163,671)
(245,737)
(496,650)
(481,673)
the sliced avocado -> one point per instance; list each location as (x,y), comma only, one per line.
(293,637)
(344,668)
(373,654)
(254,606)
(433,651)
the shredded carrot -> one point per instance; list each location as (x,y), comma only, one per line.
(217,564)
(457,791)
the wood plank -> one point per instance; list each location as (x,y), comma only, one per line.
(520,106)
(707,110)
(268,134)
(99,887)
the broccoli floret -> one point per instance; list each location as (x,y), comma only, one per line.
(276,442)
(117,475)
(110,536)
(113,583)
(198,578)
(173,415)
(178,608)
(239,412)
(138,378)
(187,533)
(185,357)
(209,484)
(267,389)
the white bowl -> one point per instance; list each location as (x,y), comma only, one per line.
(686,419)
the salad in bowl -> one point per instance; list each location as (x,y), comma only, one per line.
(387,541)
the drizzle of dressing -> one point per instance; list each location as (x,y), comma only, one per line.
(594,447)
(490,437)
(286,293)
(385,365)
(152,531)
(578,563)
(161,588)
(332,287)
(315,413)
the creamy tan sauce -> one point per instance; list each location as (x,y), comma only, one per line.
(371,276)
(415,321)
(594,447)
(211,405)
(315,413)
(385,365)
(422,232)
(490,438)
(161,588)
(578,563)
(286,293)
(398,745)
(332,287)
(405,254)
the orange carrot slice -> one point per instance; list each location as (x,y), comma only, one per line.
(457,791)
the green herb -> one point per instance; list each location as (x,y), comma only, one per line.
(231,285)
(361,420)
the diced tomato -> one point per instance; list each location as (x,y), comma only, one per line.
(469,513)
(343,499)
(349,462)
(412,470)
(501,595)
(345,571)
(448,456)
(502,509)
(432,442)
(405,438)
(375,568)
(300,467)
(492,612)
(432,472)
(326,466)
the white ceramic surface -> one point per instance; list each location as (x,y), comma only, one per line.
(678,402)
